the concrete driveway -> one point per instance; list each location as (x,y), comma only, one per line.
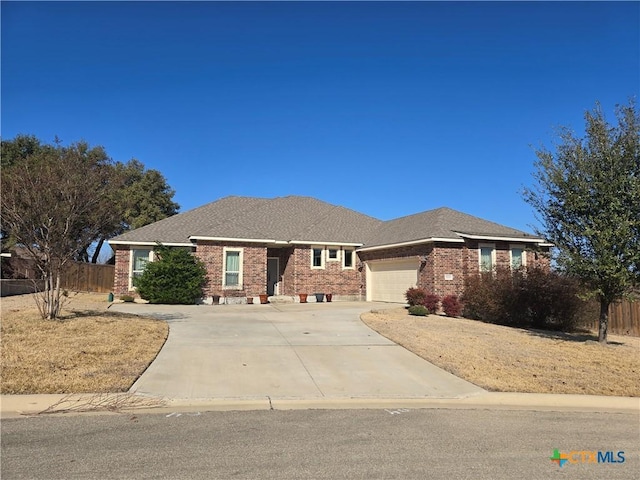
(291,351)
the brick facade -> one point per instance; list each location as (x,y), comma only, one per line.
(443,267)
(296,274)
(121,275)
(331,279)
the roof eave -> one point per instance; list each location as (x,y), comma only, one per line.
(236,240)
(147,243)
(316,242)
(471,236)
(412,242)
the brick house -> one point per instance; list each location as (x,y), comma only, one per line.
(290,245)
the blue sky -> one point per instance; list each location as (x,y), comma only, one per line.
(386,108)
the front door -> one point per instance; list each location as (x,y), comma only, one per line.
(273,275)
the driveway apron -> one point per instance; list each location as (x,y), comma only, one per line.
(287,351)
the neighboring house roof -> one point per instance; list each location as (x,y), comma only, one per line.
(296,219)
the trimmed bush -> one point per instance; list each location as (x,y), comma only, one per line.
(177,277)
(451,306)
(416,296)
(431,302)
(421,296)
(419,310)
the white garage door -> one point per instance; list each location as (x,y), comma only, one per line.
(388,281)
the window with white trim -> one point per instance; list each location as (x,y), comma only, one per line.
(317,257)
(232,268)
(333,254)
(138,261)
(487,257)
(518,257)
(348,258)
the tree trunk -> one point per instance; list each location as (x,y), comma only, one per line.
(603,326)
(96,253)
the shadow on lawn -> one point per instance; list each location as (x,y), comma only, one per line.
(73,314)
(580,336)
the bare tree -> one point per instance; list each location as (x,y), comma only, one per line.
(54,203)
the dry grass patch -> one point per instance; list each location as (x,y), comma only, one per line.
(90,350)
(506,359)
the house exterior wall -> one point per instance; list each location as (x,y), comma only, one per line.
(331,279)
(121,275)
(254,268)
(447,264)
(443,267)
(287,270)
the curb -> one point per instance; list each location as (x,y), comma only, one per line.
(12,406)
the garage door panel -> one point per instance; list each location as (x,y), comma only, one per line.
(390,280)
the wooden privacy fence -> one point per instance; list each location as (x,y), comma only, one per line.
(88,277)
(624,318)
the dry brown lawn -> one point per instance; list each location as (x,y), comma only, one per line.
(89,350)
(507,359)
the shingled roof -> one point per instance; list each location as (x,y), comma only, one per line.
(281,219)
(296,219)
(443,224)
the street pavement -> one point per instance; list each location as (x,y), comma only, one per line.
(390,443)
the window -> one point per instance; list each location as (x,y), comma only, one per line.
(518,257)
(232,275)
(487,257)
(139,259)
(347,258)
(317,259)
(332,254)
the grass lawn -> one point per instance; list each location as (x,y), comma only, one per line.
(506,359)
(89,350)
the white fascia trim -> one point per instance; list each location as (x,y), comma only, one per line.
(326,244)
(546,244)
(413,242)
(168,244)
(236,240)
(502,239)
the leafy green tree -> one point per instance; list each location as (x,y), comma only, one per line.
(176,277)
(587,194)
(21,147)
(145,197)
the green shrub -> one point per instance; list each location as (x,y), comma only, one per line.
(419,310)
(530,298)
(126,298)
(177,277)
(451,306)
